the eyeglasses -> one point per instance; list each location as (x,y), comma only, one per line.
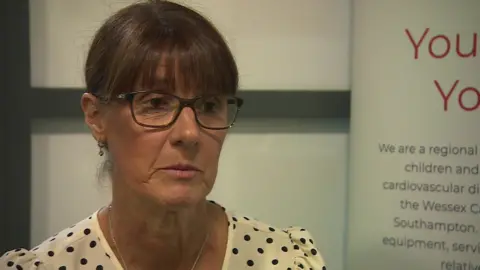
(159,110)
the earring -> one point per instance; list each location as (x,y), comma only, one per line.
(101,146)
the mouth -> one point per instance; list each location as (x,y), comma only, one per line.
(183,171)
(181,167)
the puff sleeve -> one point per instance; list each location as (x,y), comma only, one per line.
(306,255)
(21,259)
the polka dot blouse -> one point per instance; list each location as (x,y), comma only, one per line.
(251,245)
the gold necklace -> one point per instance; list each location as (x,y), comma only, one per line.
(200,252)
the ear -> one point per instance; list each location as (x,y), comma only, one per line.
(93,116)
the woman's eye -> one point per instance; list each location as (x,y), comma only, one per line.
(209,106)
(158,103)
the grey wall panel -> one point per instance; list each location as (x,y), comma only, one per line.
(65,103)
(15,125)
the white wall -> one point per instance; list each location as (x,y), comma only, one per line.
(298,166)
(279,44)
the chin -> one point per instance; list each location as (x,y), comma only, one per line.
(179,198)
(175,193)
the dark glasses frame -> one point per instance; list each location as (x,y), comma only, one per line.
(184,103)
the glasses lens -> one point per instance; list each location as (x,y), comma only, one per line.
(154,109)
(216,111)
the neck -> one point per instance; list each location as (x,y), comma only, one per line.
(149,235)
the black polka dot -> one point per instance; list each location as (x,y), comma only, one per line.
(86,231)
(53,239)
(106,254)
(302,230)
(324,268)
(311,241)
(19,267)
(21,254)
(271,229)
(269,240)
(18,249)
(229,224)
(99,267)
(300,265)
(303,240)
(255,229)
(35,249)
(305,254)
(313,251)
(275,262)
(260,250)
(284,249)
(62,268)
(93,244)
(296,247)
(250,263)
(10,264)
(234,226)
(70,249)
(90,217)
(37,263)
(69,234)
(51,253)
(234,219)
(235,251)
(83,261)
(246,237)
(246,218)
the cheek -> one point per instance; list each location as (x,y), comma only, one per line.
(132,148)
(212,149)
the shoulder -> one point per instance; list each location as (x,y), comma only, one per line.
(263,243)
(71,247)
(20,259)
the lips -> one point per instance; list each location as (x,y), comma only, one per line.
(181,167)
(182,171)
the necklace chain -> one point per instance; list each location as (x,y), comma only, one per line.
(200,252)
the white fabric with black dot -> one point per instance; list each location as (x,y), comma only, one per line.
(251,245)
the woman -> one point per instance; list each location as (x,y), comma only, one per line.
(161,96)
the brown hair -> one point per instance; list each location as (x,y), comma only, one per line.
(129,47)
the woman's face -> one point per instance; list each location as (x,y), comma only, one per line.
(174,166)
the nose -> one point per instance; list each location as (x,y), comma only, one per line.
(185,131)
